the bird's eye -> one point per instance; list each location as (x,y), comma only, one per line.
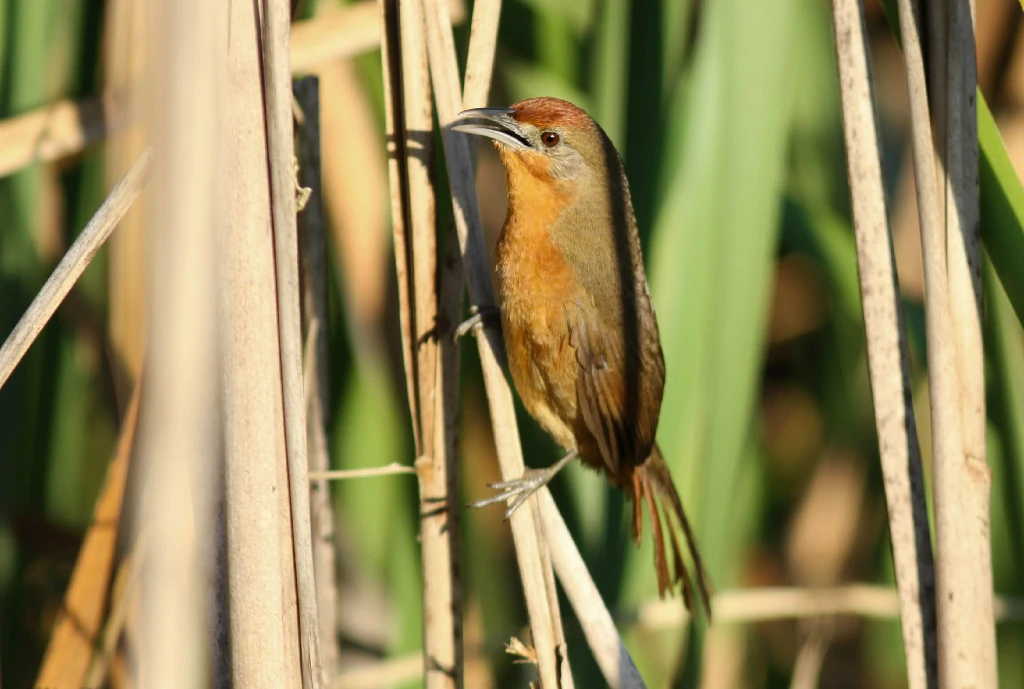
(549,138)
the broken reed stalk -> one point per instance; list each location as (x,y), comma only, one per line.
(888,359)
(264,627)
(448,98)
(275,24)
(431,388)
(178,445)
(313,254)
(963,571)
(74,263)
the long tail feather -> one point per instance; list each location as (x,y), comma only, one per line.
(660,561)
(655,483)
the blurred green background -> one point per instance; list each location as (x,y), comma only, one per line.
(727,115)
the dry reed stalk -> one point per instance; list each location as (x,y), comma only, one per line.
(125,592)
(751,606)
(261,574)
(741,606)
(313,253)
(355,200)
(77,628)
(398,178)
(448,310)
(124,57)
(601,631)
(598,626)
(963,572)
(807,667)
(74,263)
(67,127)
(963,488)
(528,544)
(178,446)
(888,359)
(483,44)
(395,671)
(342,32)
(57,131)
(274,25)
(335,34)
(346,474)
(433,394)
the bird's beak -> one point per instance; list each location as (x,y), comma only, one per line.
(494,123)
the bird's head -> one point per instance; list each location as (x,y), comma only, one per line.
(546,138)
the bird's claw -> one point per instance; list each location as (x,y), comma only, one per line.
(479,318)
(518,490)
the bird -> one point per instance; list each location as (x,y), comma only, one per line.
(580,332)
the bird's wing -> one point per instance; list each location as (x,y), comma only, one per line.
(609,390)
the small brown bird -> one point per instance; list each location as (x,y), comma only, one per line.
(579,328)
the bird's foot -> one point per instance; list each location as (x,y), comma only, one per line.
(519,490)
(480,317)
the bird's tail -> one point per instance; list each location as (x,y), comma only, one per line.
(652,484)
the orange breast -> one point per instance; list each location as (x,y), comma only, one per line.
(536,284)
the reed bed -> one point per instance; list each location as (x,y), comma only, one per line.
(210,428)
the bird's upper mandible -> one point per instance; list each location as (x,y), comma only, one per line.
(543,136)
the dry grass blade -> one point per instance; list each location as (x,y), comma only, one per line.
(448,96)
(73,265)
(75,632)
(274,25)
(963,573)
(888,361)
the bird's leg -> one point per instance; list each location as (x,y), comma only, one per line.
(480,317)
(523,487)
